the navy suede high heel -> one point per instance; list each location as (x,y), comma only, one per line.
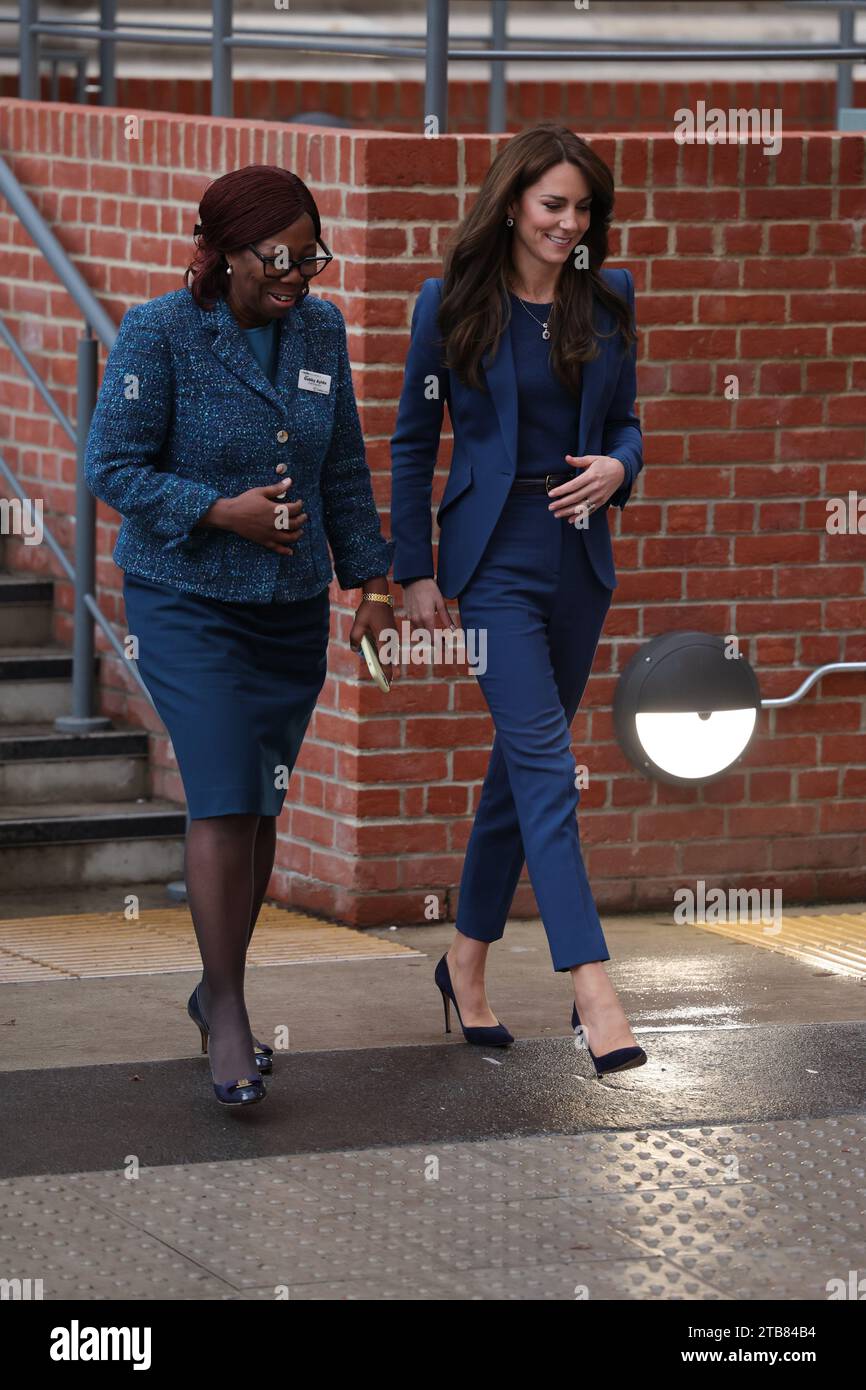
(485,1037)
(263,1054)
(244,1091)
(619,1060)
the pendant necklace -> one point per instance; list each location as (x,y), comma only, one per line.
(545,333)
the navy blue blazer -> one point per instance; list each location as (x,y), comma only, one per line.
(484,460)
(186,415)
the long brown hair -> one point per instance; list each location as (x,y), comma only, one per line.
(475,309)
(237,210)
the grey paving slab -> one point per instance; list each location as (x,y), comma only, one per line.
(608,1162)
(827,1153)
(636,1279)
(79,1250)
(442,1288)
(757,1225)
(614,1280)
(783,1274)
(527,1218)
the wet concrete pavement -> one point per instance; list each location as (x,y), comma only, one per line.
(739,1146)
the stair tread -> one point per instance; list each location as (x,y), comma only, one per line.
(47,730)
(43,649)
(23,577)
(90,809)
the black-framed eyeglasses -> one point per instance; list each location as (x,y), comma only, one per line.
(307,265)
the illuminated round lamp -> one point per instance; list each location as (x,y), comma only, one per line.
(684,712)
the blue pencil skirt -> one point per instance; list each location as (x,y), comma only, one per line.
(235,685)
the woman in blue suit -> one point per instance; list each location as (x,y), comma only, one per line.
(532,346)
(226,434)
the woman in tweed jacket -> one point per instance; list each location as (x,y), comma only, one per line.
(226,434)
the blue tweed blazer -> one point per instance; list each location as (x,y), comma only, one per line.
(185,415)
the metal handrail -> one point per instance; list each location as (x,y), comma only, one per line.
(53,545)
(89,601)
(70,276)
(305,42)
(637,51)
(82,575)
(18,352)
(91,604)
(223,39)
(67,426)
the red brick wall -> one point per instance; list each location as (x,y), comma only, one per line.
(743,264)
(587,106)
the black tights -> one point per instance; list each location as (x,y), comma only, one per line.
(228,863)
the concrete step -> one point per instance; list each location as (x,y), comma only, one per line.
(93,842)
(40,765)
(35,683)
(73,807)
(22,824)
(26,603)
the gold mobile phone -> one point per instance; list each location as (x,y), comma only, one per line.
(374,665)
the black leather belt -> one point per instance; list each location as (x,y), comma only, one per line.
(541,484)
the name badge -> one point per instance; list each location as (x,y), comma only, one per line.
(314,381)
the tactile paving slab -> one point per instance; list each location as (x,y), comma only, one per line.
(834,941)
(738,1212)
(162,940)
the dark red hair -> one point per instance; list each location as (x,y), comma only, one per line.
(239,209)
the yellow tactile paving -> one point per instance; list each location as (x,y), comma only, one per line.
(832,941)
(162,940)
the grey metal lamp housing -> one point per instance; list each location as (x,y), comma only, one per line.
(685,709)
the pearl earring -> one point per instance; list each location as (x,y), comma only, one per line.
(228,270)
(509,221)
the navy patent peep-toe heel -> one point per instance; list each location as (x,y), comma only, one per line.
(619,1060)
(263,1054)
(485,1037)
(246,1090)
(242,1092)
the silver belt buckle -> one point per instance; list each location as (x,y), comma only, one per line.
(547,483)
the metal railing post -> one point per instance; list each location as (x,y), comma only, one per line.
(221,58)
(28,51)
(496,117)
(436,77)
(82,719)
(107,54)
(844,70)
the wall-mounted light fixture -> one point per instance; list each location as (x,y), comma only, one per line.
(686,707)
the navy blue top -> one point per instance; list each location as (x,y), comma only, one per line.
(263,343)
(547,413)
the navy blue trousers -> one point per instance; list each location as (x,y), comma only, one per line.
(542,606)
